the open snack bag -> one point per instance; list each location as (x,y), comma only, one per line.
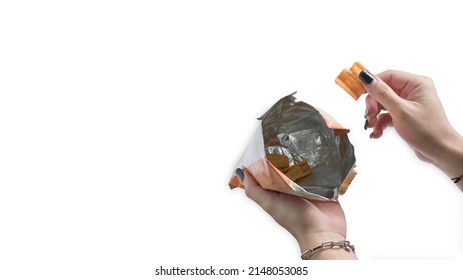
(299,150)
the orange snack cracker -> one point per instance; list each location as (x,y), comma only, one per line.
(350,82)
(279,161)
(298,171)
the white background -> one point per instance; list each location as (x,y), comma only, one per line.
(121,121)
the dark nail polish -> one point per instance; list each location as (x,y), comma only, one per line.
(239,172)
(365,126)
(366,77)
(371,135)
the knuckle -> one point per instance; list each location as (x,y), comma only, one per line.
(422,81)
(427,81)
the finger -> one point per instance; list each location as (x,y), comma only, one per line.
(373,108)
(381,92)
(255,192)
(371,122)
(384,120)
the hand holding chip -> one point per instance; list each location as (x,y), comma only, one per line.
(411,105)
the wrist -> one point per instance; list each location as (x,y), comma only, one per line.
(450,156)
(313,240)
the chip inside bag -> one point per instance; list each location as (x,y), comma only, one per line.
(300,150)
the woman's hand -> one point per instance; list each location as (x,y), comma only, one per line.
(310,222)
(413,108)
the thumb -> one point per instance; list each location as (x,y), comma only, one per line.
(380,91)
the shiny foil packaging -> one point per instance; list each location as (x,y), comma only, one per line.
(300,150)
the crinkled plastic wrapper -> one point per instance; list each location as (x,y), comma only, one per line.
(298,150)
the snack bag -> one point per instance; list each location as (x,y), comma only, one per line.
(299,150)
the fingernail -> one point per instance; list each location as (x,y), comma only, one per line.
(371,135)
(366,77)
(239,172)
(365,126)
(366,113)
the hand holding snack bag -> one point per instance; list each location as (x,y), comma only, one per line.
(300,152)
